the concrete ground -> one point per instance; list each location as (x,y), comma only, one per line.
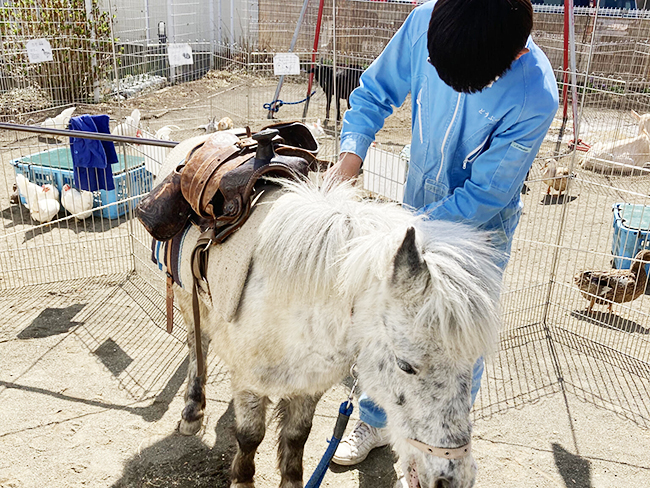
(91,393)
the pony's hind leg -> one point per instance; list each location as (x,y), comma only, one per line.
(192,415)
(295,416)
(250,414)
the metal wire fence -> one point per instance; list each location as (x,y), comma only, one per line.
(550,340)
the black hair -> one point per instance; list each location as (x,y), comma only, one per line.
(472,42)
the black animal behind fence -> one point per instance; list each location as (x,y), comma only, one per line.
(347,79)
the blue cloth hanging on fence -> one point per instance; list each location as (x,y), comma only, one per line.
(92,159)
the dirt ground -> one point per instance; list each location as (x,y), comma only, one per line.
(91,386)
(91,393)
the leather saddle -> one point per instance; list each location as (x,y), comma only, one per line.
(215,185)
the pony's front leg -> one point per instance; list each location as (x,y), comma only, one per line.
(295,416)
(328,104)
(192,416)
(250,414)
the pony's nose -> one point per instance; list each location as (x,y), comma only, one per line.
(442,483)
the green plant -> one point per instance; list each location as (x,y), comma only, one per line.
(80,40)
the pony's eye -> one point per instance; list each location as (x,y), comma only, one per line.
(404,366)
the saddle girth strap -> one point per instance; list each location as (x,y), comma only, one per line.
(170,290)
(199,267)
(197,331)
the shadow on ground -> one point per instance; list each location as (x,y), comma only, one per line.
(184,462)
(609,319)
(52,321)
(150,413)
(17,215)
(13,214)
(376,471)
(557,199)
(575,471)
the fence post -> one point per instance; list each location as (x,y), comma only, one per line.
(219,27)
(211,12)
(291,47)
(116,72)
(93,48)
(337,142)
(171,37)
(147,22)
(232,26)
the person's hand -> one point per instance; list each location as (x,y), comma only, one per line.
(347,167)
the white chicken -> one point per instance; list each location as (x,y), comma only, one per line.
(155,155)
(49,192)
(164,132)
(28,190)
(32,192)
(44,210)
(42,201)
(60,121)
(78,203)
(130,127)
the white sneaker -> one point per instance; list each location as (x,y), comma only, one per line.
(356,446)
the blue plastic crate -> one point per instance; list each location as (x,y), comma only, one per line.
(631,233)
(54,166)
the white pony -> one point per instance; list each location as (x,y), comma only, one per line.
(336,280)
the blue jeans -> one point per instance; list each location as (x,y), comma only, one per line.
(374,415)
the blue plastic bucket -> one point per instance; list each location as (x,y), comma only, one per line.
(631,233)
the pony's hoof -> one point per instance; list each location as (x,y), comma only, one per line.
(191,419)
(291,484)
(189,428)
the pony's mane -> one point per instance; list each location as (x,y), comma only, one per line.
(460,301)
(309,230)
(465,288)
(330,241)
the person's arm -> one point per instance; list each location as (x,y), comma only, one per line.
(384,85)
(497,174)
(347,167)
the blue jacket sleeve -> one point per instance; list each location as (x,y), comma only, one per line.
(384,85)
(497,174)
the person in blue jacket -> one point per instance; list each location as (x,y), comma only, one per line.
(483,96)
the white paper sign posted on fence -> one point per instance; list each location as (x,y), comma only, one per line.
(286,64)
(179,54)
(39,50)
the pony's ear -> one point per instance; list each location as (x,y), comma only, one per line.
(408,266)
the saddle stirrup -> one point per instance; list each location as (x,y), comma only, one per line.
(169,301)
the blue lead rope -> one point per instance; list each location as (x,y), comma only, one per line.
(275,105)
(345,410)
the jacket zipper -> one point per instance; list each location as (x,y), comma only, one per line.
(419,103)
(474,154)
(444,141)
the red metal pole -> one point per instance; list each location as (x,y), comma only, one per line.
(565,77)
(313,57)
